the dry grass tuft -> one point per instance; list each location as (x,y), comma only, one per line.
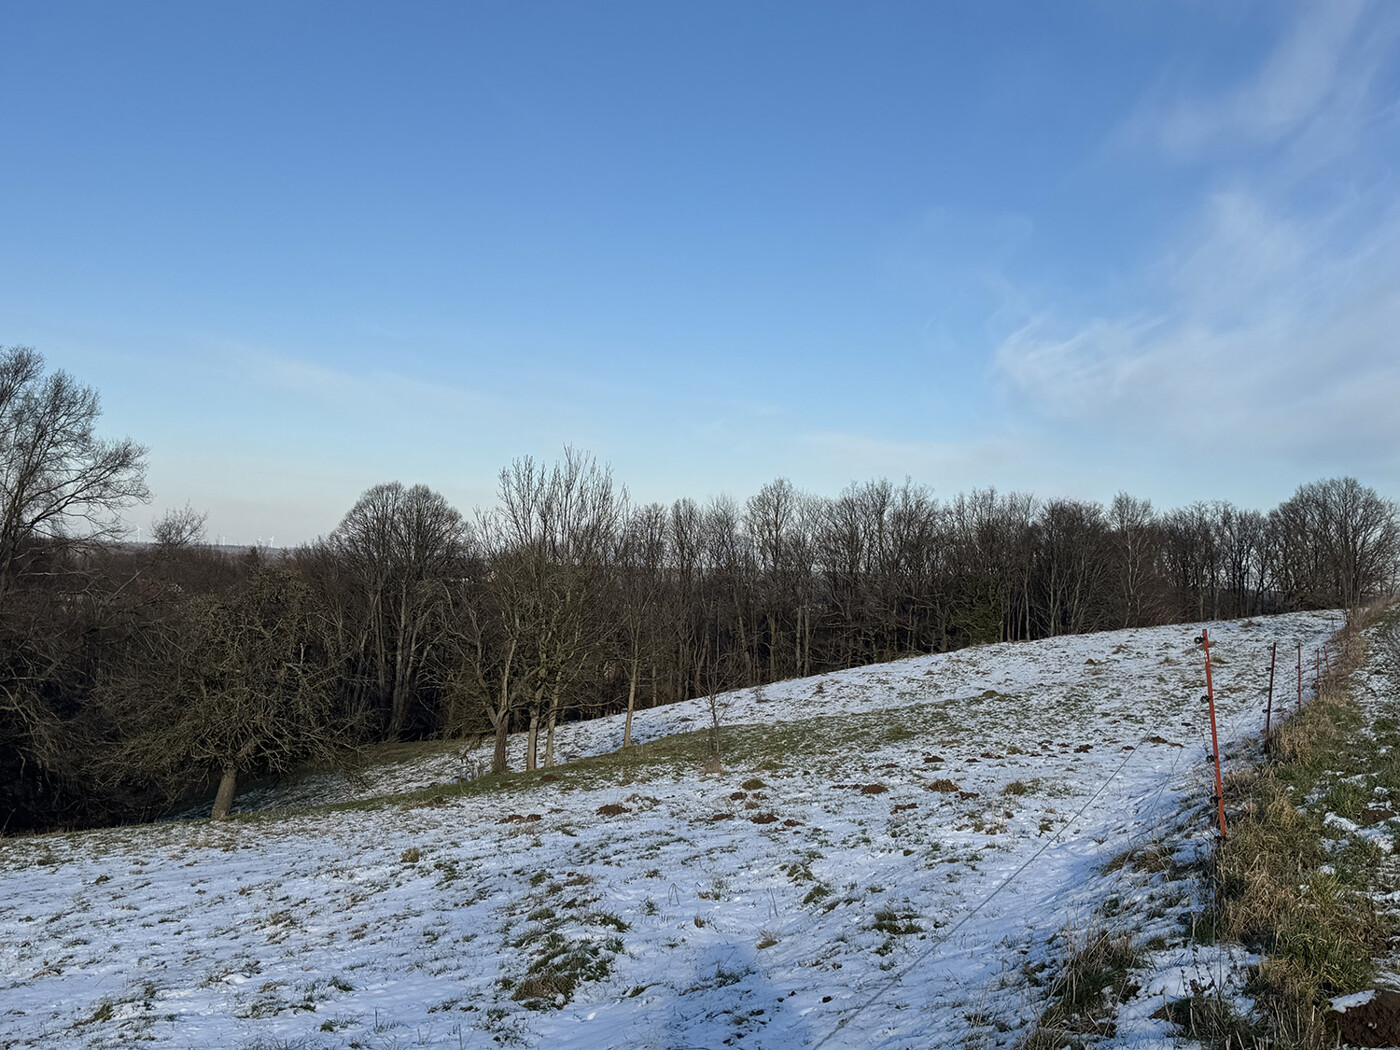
(1091,979)
(1279,885)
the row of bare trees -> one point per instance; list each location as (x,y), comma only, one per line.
(566,601)
(132,677)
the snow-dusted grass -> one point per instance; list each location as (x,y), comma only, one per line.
(1307,873)
(898,856)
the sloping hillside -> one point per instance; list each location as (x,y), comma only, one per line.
(898,856)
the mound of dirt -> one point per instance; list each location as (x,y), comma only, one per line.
(1373,1023)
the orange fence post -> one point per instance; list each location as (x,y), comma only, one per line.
(1204,642)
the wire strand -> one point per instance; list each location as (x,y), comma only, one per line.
(894,979)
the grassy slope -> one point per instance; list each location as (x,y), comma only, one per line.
(1310,851)
(826,887)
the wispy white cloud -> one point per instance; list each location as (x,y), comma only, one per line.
(347,388)
(1308,76)
(1273,337)
(1239,254)
(1265,327)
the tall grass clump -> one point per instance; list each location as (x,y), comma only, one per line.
(1091,978)
(1286,887)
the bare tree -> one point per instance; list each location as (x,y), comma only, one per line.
(1340,542)
(846,535)
(1192,550)
(718,671)
(915,568)
(400,548)
(1134,543)
(487,628)
(59,481)
(1071,566)
(179,529)
(686,543)
(539,625)
(1241,536)
(639,565)
(995,546)
(728,600)
(584,511)
(224,688)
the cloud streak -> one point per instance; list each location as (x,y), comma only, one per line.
(1277,340)
(1307,77)
(1265,326)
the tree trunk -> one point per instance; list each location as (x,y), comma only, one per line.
(772,647)
(500,715)
(223,801)
(550,721)
(499,762)
(532,737)
(797,644)
(406,643)
(804,642)
(631,702)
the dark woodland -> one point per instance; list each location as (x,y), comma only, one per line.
(135,679)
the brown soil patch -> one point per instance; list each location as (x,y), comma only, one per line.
(943,785)
(612,809)
(1376,1023)
(873,789)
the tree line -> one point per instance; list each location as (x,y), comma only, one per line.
(133,678)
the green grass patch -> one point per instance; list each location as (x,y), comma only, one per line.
(1293,886)
(825,745)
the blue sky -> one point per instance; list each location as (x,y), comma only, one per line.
(302,248)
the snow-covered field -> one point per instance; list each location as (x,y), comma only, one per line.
(895,858)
